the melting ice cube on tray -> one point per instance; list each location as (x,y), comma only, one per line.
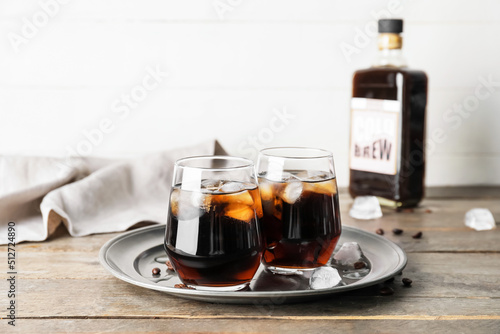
(348,254)
(324,278)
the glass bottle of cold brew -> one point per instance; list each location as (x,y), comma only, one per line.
(388,104)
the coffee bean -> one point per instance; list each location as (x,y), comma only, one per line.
(386,291)
(156,271)
(397,231)
(418,235)
(359,265)
(183,286)
(169,265)
(380,231)
(407,281)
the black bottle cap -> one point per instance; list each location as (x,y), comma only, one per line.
(394,26)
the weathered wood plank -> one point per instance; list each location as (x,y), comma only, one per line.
(112,298)
(448,275)
(436,325)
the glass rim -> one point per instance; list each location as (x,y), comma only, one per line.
(319,153)
(244,162)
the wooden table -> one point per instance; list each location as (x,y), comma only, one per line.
(455,272)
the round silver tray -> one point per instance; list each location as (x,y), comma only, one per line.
(132,255)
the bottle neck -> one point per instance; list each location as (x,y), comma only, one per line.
(390,53)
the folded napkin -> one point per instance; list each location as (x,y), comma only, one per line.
(88,195)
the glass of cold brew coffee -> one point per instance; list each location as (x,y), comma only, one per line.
(213,237)
(301,214)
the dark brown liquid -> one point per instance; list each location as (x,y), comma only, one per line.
(299,233)
(407,186)
(221,245)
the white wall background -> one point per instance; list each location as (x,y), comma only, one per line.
(228,75)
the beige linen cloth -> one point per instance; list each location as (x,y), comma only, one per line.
(87,195)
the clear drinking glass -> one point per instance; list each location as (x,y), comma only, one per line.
(212,237)
(301,221)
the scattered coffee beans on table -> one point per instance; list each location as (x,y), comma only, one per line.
(417,235)
(397,231)
(386,291)
(407,281)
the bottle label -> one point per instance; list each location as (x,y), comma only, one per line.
(374,135)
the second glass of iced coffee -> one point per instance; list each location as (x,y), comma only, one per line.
(301,222)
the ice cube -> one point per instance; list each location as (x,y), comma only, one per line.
(266,191)
(480,219)
(211,185)
(328,187)
(278,175)
(318,182)
(242,197)
(187,205)
(240,212)
(348,254)
(365,207)
(286,177)
(324,278)
(292,191)
(312,175)
(269,199)
(232,187)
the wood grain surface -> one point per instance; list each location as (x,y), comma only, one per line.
(456,273)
